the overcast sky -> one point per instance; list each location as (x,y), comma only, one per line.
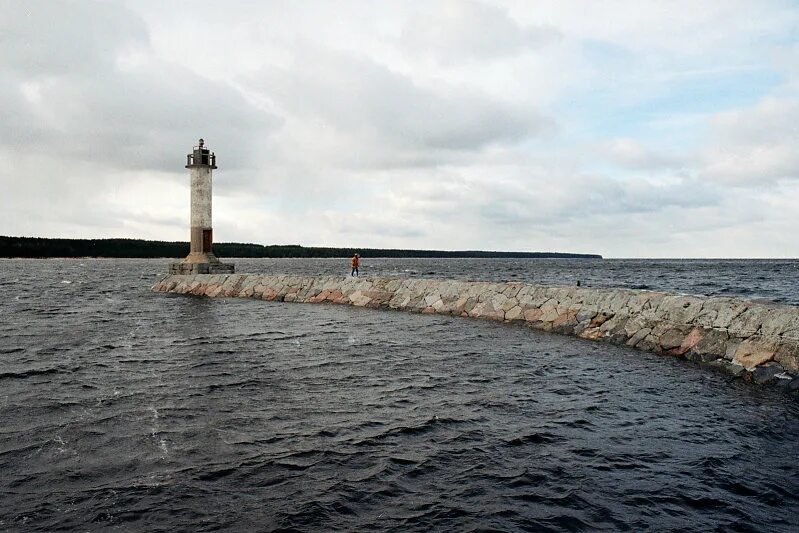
(628,128)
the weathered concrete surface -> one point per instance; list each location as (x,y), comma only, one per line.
(188,267)
(758,341)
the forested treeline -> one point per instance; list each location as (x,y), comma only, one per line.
(41,247)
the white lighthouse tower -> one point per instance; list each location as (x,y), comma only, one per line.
(201,259)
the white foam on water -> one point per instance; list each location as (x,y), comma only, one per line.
(63,445)
(162,444)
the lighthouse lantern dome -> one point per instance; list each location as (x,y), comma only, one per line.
(201,156)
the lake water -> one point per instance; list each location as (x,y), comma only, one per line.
(123,409)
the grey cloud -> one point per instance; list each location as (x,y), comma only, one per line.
(377,107)
(457,31)
(628,153)
(526,208)
(136,120)
(80,104)
(546,201)
(45,38)
(514,202)
(159,220)
(755,146)
(375,224)
(644,196)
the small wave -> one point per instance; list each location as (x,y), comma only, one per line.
(295,464)
(12,350)
(526,478)
(710,463)
(213,475)
(735,290)
(238,384)
(30,373)
(585,452)
(400,460)
(533,438)
(112,346)
(286,337)
(568,498)
(738,488)
(703,502)
(580,423)
(424,427)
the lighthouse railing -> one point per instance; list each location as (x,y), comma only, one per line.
(204,159)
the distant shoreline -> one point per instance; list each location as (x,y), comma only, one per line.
(46,248)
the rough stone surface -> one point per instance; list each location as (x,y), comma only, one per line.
(788,356)
(757,340)
(755,351)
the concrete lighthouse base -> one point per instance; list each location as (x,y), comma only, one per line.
(197,263)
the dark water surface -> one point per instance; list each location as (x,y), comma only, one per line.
(122,409)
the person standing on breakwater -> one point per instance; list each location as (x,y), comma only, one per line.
(356,262)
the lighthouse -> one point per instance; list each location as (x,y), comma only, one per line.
(201,163)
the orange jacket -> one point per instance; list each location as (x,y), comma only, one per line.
(355,261)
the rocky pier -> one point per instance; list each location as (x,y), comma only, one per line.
(752,340)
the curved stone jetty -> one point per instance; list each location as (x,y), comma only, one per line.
(758,341)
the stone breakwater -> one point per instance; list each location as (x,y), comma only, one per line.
(756,341)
